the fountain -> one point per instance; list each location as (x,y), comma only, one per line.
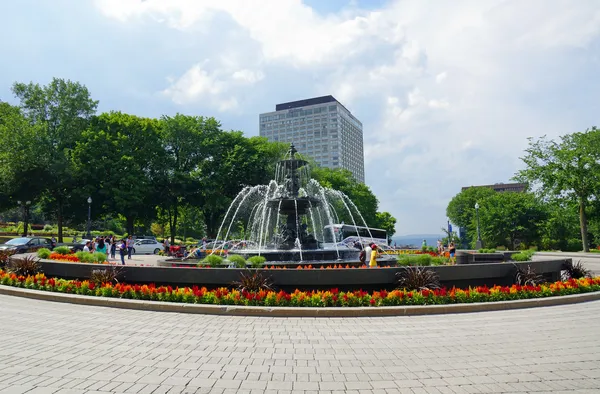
(289,219)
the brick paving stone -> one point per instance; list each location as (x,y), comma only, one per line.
(49,347)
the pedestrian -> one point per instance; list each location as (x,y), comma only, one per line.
(113,247)
(101,246)
(373,257)
(452,251)
(53,242)
(123,250)
(439,247)
(86,247)
(129,246)
(424,245)
(167,247)
(367,255)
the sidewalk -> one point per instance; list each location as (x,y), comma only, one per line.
(570,254)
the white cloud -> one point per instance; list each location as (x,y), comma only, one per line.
(447,91)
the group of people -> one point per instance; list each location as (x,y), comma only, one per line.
(441,248)
(108,246)
(368,254)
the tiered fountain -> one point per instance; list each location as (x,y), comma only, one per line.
(285,221)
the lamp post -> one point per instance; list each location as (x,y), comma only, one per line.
(89,222)
(479,243)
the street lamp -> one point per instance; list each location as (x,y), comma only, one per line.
(25,216)
(479,243)
(89,222)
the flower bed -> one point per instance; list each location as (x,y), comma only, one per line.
(331,298)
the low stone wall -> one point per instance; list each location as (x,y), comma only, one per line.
(372,278)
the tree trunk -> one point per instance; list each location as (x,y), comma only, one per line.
(583,225)
(59,218)
(174,224)
(130,220)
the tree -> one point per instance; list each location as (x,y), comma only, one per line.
(360,194)
(511,219)
(60,111)
(235,162)
(461,209)
(386,222)
(21,171)
(119,157)
(186,141)
(569,168)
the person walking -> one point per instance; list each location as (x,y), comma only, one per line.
(167,247)
(123,250)
(373,257)
(129,247)
(113,247)
(101,246)
(452,251)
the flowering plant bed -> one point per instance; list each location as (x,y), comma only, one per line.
(330,298)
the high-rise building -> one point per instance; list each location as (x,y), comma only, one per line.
(321,128)
(503,187)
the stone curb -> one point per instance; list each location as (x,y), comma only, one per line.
(231,310)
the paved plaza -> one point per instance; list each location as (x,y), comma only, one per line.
(61,348)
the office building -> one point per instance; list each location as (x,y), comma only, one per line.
(504,187)
(320,128)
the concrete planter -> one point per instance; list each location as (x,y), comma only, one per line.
(372,278)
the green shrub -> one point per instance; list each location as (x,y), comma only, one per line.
(62,250)
(99,257)
(404,260)
(85,257)
(43,253)
(48,228)
(257,261)
(424,260)
(237,260)
(212,260)
(486,251)
(523,256)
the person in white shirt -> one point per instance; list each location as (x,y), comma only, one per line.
(86,248)
(368,252)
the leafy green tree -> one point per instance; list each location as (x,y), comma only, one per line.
(119,156)
(510,219)
(186,141)
(236,162)
(560,230)
(360,194)
(387,222)
(61,111)
(21,171)
(461,209)
(568,168)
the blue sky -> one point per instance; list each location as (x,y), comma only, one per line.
(448,92)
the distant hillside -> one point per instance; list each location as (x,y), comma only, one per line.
(416,240)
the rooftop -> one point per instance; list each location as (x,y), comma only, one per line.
(307,102)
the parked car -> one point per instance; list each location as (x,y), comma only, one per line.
(76,246)
(26,244)
(146,246)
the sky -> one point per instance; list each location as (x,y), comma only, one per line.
(448,91)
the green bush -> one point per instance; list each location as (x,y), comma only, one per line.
(62,250)
(424,260)
(523,256)
(257,261)
(43,253)
(212,260)
(421,260)
(85,257)
(99,257)
(486,251)
(48,228)
(237,260)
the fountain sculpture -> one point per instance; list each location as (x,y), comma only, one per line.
(290,218)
